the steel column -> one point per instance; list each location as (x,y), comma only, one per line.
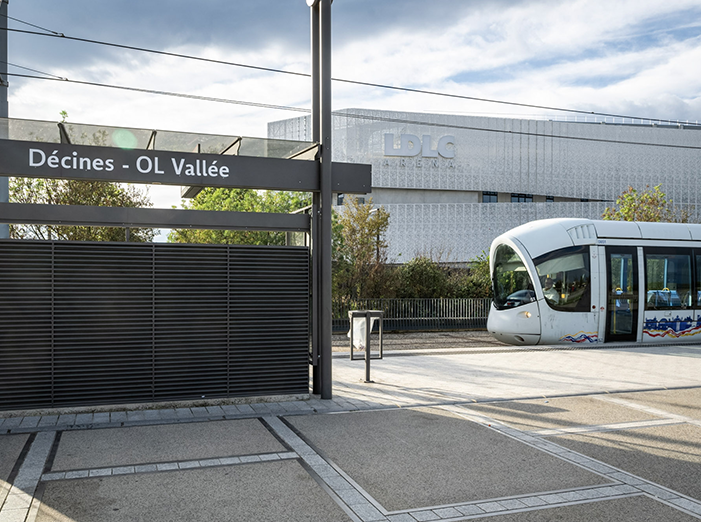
(4,107)
(316,200)
(321,123)
(326,195)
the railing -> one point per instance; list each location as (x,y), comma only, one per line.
(417,314)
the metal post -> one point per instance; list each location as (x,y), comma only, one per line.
(321,116)
(4,108)
(368,328)
(316,200)
(325,190)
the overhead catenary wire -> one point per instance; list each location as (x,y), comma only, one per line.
(357,116)
(166,93)
(55,34)
(32,25)
(33,70)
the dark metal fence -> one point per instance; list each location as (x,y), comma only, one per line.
(417,314)
(99,323)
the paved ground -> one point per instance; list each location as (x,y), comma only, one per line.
(451,429)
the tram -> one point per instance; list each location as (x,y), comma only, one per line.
(580,281)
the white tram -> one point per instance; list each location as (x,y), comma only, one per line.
(568,281)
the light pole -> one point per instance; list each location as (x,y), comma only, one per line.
(377,238)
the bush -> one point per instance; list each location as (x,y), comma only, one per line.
(422,278)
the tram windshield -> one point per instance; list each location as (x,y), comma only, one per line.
(565,279)
(510,281)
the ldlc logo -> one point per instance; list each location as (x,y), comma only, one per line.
(410,145)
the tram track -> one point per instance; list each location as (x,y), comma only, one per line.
(476,343)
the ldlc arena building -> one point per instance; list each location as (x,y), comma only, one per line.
(453,183)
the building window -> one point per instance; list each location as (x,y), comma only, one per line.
(489,197)
(584,200)
(521,198)
(550,199)
(339,199)
(361,201)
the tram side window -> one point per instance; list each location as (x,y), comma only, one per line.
(565,278)
(511,284)
(667,279)
(698,281)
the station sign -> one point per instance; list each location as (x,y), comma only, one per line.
(66,161)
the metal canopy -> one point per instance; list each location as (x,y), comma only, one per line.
(149,139)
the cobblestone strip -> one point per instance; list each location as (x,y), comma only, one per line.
(19,500)
(33,424)
(164,466)
(637,484)
(512,505)
(354,499)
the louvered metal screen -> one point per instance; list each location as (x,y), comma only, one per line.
(101,323)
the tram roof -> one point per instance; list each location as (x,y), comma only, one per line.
(546,235)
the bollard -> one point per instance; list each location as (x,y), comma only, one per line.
(368,330)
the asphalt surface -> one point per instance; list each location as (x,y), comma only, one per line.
(452,428)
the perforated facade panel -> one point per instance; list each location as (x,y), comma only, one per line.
(504,156)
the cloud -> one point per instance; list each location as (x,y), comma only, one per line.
(238,26)
(592,55)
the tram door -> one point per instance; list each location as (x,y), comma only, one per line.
(622,294)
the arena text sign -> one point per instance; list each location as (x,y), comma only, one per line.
(410,146)
(418,152)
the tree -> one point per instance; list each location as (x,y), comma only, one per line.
(360,252)
(649,205)
(73,192)
(240,200)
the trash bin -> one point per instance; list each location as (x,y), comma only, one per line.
(361,324)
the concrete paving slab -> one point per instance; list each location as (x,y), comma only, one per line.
(636,509)
(430,457)
(678,402)
(10,449)
(667,455)
(559,412)
(270,491)
(523,374)
(113,447)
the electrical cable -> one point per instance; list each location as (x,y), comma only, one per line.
(32,25)
(354,82)
(357,116)
(167,93)
(33,70)
(163,53)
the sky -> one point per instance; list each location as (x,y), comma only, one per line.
(639,58)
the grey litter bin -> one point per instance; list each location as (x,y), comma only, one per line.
(361,324)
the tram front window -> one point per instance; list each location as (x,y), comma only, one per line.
(510,281)
(564,276)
